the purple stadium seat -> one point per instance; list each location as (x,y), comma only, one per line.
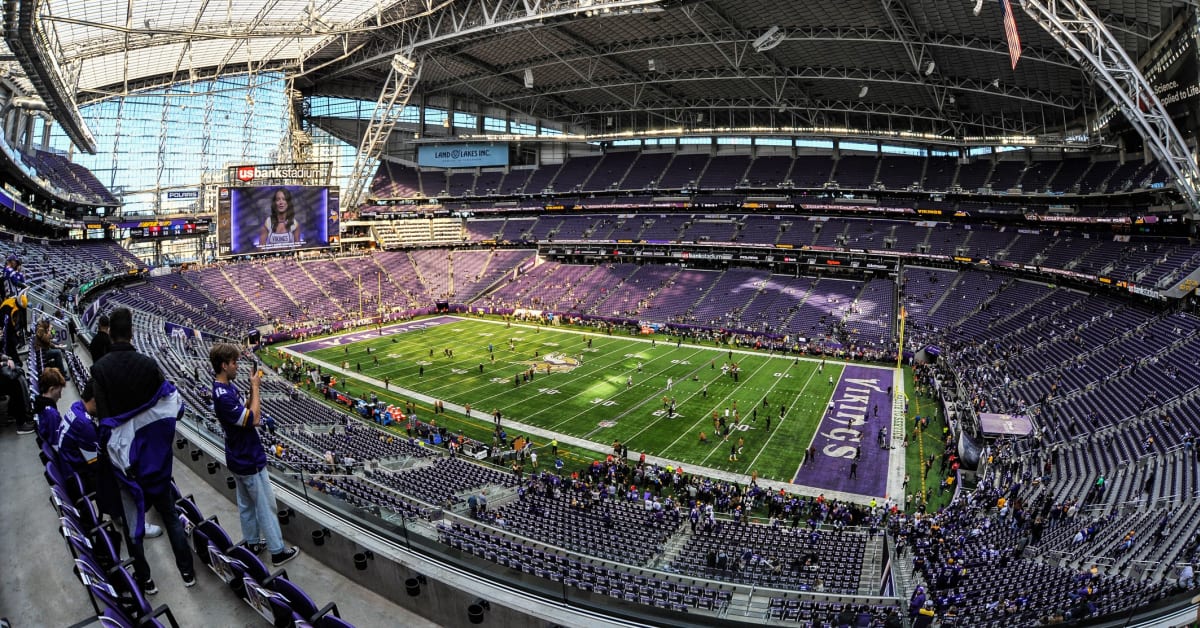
(300,603)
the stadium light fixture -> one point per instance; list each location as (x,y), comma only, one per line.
(403,65)
(929,68)
(863,92)
(768,40)
(528,78)
(978,8)
(651,66)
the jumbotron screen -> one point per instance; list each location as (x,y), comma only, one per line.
(276,218)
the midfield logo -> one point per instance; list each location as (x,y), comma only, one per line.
(555,363)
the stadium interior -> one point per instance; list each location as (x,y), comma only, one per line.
(980,215)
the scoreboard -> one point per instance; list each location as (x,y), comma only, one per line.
(167,228)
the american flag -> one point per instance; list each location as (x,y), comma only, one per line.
(1010,33)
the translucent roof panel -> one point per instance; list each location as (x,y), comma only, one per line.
(124,40)
(176,58)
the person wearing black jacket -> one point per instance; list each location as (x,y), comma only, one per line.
(126,380)
(101,342)
(130,388)
(14,386)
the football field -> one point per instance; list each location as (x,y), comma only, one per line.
(604,388)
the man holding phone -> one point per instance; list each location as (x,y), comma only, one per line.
(245,456)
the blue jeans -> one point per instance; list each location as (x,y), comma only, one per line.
(256,507)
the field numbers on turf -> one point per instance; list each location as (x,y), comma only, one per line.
(658,413)
(499,380)
(603,402)
(741,427)
(423,362)
(485,334)
(591,351)
(684,362)
(783,375)
(458,371)
(549,344)
(548,391)
(394,356)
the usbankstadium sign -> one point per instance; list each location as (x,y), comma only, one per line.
(311,173)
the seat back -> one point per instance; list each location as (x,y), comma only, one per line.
(189,513)
(228,569)
(217,536)
(251,565)
(300,600)
(271,605)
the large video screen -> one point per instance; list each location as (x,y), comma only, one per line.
(270,219)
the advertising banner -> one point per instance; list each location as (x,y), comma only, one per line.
(473,155)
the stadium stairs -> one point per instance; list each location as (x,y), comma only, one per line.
(238,289)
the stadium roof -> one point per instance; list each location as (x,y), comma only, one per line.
(601,66)
(113,46)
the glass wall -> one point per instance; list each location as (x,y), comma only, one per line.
(153,141)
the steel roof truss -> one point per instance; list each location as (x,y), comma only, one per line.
(1073,24)
(397,90)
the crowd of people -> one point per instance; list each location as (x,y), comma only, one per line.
(119,440)
(987,530)
(973,555)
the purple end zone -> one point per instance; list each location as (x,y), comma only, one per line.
(851,423)
(359,336)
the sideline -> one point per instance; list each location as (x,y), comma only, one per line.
(547,435)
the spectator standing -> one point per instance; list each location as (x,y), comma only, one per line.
(14,284)
(138,409)
(14,279)
(12,385)
(101,342)
(245,457)
(12,313)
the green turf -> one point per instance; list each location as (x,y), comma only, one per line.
(929,443)
(595,401)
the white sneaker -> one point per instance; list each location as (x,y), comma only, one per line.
(153,531)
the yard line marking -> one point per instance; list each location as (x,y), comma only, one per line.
(765,363)
(811,375)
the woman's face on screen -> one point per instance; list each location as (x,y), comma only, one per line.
(281,202)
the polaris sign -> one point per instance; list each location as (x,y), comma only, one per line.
(474,155)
